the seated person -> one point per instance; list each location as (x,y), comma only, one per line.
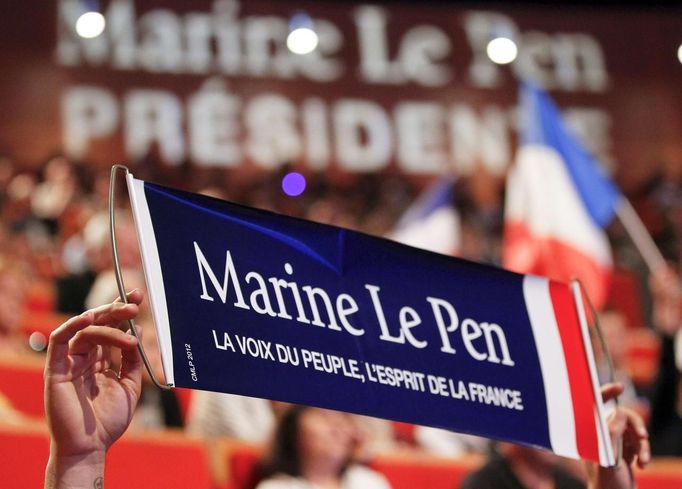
(313,449)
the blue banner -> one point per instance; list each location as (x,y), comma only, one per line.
(259,304)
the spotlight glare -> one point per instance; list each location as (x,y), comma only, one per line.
(90,25)
(293,184)
(302,40)
(502,50)
(679,53)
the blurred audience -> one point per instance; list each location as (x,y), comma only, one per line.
(54,236)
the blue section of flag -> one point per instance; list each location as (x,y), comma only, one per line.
(340,261)
(542,124)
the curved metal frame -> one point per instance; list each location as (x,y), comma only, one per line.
(119,275)
(607,354)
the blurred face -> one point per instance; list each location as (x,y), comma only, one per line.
(326,437)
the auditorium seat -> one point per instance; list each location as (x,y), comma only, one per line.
(23,455)
(404,432)
(21,382)
(662,473)
(625,296)
(240,460)
(172,460)
(152,461)
(412,471)
(158,461)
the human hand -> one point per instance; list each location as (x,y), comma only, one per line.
(626,427)
(88,405)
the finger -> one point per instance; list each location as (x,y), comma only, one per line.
(58,347)
(114,313)
(637,423)
(135,296)
(644,454)
(88,339)
(639,437)
(611,391)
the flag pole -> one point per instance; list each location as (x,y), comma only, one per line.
(640,235)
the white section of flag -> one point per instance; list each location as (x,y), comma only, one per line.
(152,271)
(562,430)
(541,194)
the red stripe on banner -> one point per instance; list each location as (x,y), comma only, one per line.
(579,378)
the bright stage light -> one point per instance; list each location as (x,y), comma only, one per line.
(502,50)
(90,24)
(302,40)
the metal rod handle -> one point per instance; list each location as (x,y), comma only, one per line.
(119,276)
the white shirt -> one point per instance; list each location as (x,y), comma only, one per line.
(356,477)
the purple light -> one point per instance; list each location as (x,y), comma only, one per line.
(293,184)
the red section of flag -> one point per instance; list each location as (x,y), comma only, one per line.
(524,253)
(582,392)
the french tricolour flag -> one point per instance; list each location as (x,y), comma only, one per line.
(558,202)
(431,223)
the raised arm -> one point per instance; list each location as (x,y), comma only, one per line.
(89,405)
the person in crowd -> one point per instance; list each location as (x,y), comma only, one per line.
(313,449)
(56,191)
(665,422)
